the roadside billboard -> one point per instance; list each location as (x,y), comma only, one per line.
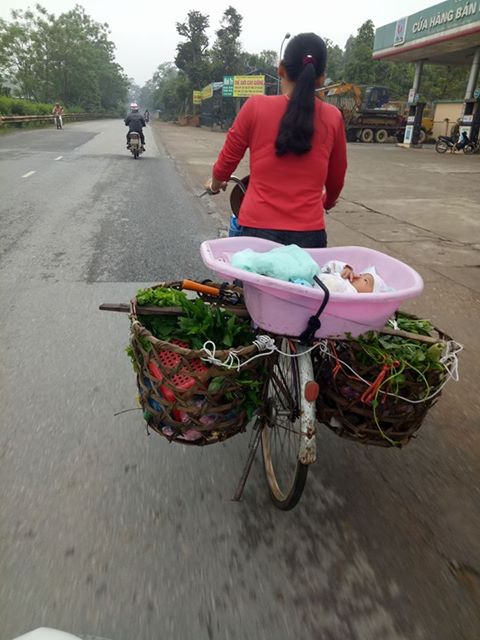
(243,86)
(207,92)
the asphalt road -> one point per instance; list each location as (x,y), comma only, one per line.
(108,532)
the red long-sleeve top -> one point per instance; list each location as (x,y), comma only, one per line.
(285,192)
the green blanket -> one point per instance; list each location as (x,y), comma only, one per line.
(287,263)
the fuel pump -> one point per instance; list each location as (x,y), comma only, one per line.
(414,123)
(470,120)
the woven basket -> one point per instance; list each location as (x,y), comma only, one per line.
(341,408)
(175,391)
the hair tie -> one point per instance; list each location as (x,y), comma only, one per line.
(308,59)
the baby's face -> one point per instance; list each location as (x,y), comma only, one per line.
(363,283)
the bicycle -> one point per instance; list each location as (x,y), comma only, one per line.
(293,325)
(286,426)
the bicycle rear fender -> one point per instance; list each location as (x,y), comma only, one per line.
(308,446)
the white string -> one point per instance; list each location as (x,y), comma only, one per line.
(266,346)
(232,361)
(449,361)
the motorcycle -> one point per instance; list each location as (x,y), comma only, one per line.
(59,121)
(444,143)
(135,145)
(456,143)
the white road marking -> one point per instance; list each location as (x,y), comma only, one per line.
(59,158)
(27,175)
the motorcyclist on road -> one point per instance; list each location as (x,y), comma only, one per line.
(135,122)
(146,115)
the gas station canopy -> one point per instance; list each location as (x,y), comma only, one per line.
(447,33)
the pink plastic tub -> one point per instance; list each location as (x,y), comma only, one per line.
(284,308)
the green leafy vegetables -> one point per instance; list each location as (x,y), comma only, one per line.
(405,366)
(199,323)
(401,353)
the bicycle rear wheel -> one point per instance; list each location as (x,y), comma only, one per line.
(281,433)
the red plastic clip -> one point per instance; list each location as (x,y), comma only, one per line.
(369,394)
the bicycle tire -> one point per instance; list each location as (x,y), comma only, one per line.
(283,392)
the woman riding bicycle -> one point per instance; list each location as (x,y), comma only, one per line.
(297,152)
(58,113)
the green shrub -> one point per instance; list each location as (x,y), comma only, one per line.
(4,105)
(20,107)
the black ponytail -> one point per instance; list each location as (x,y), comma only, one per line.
(304,61)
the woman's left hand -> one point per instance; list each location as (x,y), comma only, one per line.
(215,186)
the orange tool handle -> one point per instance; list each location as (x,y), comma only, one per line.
(201,288)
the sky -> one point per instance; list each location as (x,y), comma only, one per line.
(145,36)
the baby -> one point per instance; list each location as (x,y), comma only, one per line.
(339,277)
(293,264)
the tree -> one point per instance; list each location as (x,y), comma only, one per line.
(171,91)
(146,94)
(226,51)
(134,90)
(359,66)
(438,81)
(16,46)
(171,87)
(192,55)
(83,57)
(69,57)
(441,82)
(335,61)
(264,63)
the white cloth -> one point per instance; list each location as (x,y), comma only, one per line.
(331,276)
(333,269)
(336,284)
(334,266)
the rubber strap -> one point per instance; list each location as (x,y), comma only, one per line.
(314,322)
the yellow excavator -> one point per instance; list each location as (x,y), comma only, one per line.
(368,114)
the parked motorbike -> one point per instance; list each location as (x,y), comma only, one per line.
(456,143)
(444,143)
(135,145)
